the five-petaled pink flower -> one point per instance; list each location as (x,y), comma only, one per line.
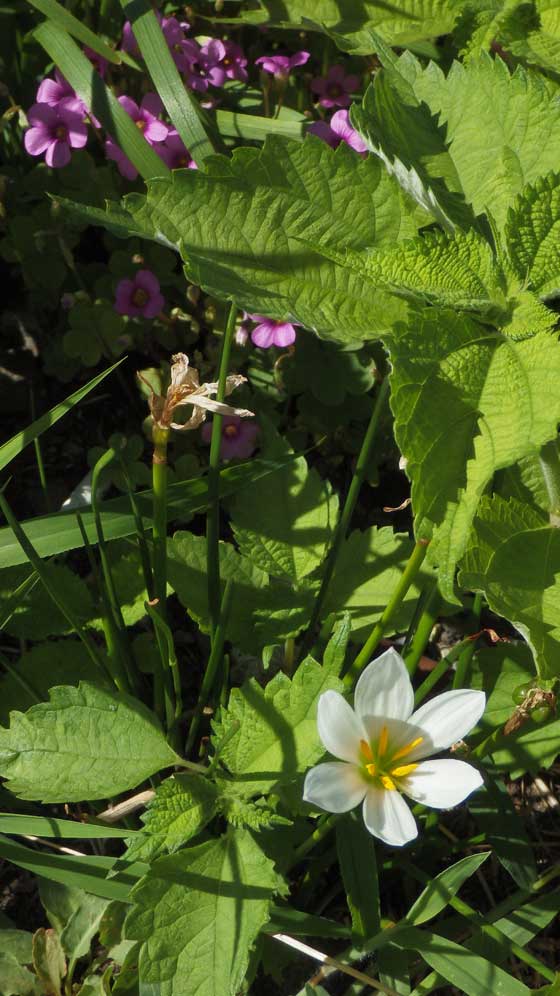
(269,332)
(234,62)
(147,121)
(339,130)
(174,152)
(54,131)
(282,65)
(96,60)
(238,437)
(206,65)
(59,93)
(174,34)
(335,88)
(139,297)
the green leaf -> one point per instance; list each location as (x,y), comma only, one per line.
(448,370)
(198,913)
(36,617)
(515,560)
(368,569)
(15,980)
(75,915)
(277,735)
(532,234)
(304,191)
(180,103)
(358,867)
(16,943)
(16,445)
(50,826)
(180,808)
(324,371)
(74,26)
(86,743)
(96,330)
(286,919)
(49,960)
(504,832)
(99,99)
(284,523)
(471,974)
(335,651)
(56,662)
(435,897)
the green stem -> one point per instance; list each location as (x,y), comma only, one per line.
(214,662)
(140,533)
(36,562)
(550,469)
(213,514)
(410,573)
(21,681)
(430,611)
(171,679)
(160,437)
(341,530)
(325,826)
(431,679)
(39,457)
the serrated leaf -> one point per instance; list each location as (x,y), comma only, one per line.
(180,808)
(502,398)
(533,234)
(283,525)
(277,736)
(85,743)
(198,913)
(54,662)
(368,569)
(515,559)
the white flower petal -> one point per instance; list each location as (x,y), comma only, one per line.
(335,786)
(339,728)
(387,816)
(447,719)
(384,688)
(442,784)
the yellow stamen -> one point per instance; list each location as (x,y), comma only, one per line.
(404,770)
(388,783)
(407,748)
(383,741)
(366,750)
(371,769)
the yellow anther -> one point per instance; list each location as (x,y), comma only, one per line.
(366,750)
(388,783)
(404,770)
(383,741)
(371,769)
(407,748)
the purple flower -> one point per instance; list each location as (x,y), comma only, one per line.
(335,88)
(234,62)
(339,130)
(238,437)
(96,60)
(54,131)
(174,152)
(128,40)
(174,33)
(58,92)
(140,296)
(206,66)
(272,333)
(281,65)
(146,118)
(124,165)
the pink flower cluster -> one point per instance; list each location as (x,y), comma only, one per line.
(56,122)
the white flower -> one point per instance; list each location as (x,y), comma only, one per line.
(381,744)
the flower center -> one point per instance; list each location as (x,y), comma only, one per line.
(231,431)
(61,132)
(226,61)
(139,298)
(140,124)
(183,161)
(382,764)
(334,90)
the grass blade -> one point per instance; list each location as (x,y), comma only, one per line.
(255,128)
(56,12)
(14,446)
(181,105)
(99,99)
(50,826)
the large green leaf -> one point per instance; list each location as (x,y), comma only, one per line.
(533,234)
(198,913)
(180,808)
(86,743)
(277,736)
(515,560)
(499,397)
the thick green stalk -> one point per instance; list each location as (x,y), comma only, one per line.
(212,667)
(466,655)
(325,826)
(341,530)
(213,514)
(160,437)
(410,572)
(430,611)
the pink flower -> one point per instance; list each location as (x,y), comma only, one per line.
(124,165)
(58,92)
(128,41)
(146,118)
(339,130)
(174,33)
(234,62)
(206,65)
(335,88)
(281,65)
(238,437)
(96,60)
(174,152)
(140,296)
(272,333)
(54,131)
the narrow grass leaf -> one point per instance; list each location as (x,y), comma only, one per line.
(99,99)
(504,831)
(50,826)
(358,865)
(57,13)
(435,897)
